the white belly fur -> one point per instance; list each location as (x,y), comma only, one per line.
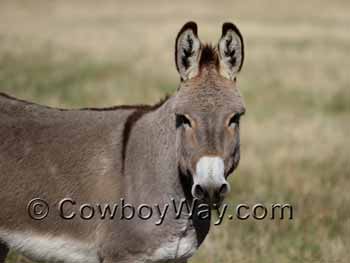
(50,248)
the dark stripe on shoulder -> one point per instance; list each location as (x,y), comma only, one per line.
(131,121)
(139,111)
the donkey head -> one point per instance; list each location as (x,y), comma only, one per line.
(208,107)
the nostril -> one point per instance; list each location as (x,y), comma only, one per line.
(198,192)
(224,189)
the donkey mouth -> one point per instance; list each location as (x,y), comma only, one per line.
(212,198)
(216,203)
(209,181)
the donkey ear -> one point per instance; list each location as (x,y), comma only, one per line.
(187,51)
(231,51)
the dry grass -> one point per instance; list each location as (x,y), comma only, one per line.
(295,136)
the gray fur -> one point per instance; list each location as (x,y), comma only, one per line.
(54,154)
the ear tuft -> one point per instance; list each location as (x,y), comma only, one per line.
(187,51)
(231,51)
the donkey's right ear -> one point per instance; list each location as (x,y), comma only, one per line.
(187,51)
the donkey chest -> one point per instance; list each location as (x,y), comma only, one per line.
(176,248)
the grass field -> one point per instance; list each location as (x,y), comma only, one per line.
(295,81)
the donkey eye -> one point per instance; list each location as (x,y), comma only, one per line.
(182,120)
(234,120)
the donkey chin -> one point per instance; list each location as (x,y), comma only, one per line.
(209,181)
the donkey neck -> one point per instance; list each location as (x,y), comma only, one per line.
(151,173)
(150,158)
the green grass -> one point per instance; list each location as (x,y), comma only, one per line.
(295,81)
(73,81)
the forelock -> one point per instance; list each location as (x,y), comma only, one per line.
(209,56)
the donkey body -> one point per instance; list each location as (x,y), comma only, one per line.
(182,148)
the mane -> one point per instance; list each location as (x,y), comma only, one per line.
(209,55)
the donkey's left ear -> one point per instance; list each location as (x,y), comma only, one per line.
(231,51)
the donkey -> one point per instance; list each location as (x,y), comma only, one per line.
(184,147)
